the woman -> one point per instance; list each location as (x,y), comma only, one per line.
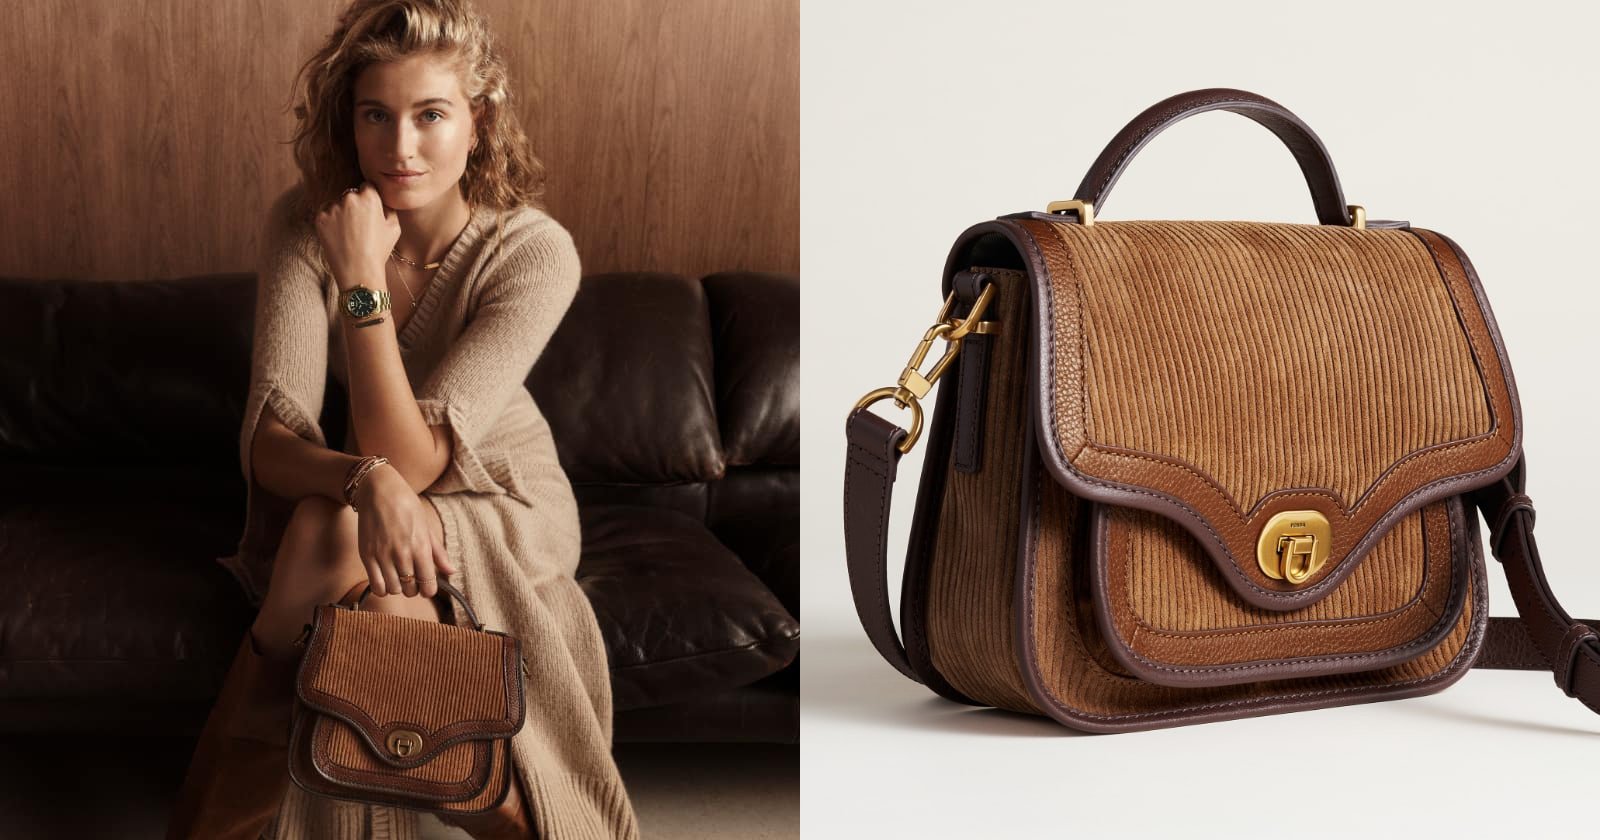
(416,180)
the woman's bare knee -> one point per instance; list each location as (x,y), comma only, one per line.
(310,568)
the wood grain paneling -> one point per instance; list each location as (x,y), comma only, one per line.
(145,138)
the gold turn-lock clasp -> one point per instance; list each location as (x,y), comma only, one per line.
(403,743)
(913,384)
(1294,545)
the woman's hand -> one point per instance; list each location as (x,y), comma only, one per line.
(395,538)
(357,233)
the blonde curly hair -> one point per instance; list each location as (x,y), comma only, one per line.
(502,171)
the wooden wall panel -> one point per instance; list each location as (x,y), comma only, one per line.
(145,138)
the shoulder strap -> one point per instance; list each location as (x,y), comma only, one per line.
(1545,638)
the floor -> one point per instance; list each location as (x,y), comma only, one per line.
(121,788)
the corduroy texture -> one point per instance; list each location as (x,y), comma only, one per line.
(972,616)
(348,755)
(1259,353)
(1239,369)
(369,674)
(974,555)
(1406,592)
(1165,573)
(388,676)
(509,515)
(1077,686)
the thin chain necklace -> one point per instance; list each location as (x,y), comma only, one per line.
(395,253)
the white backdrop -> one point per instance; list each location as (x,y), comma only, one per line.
(918,120)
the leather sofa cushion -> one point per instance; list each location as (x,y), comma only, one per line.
(626,382)
(110,598)
(129,372)
(755,331)
(681,615)
(755,512)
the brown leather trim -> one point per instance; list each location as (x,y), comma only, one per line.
(1296,696)
(304,773)
(1485,314)
(974,390)
(1151,481)
(1290,649)
(322,734)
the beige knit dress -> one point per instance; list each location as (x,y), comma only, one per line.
(510,519)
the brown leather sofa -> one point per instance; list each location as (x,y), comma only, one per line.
(675,405)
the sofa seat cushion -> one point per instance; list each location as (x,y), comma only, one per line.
(116,594)
(682,617)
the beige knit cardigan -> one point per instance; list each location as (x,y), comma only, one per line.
(510,519)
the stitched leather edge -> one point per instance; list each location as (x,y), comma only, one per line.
(303,773)
(1228,673)
(1288,701)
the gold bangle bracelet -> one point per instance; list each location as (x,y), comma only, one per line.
(358,473)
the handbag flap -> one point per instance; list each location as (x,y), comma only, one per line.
(410,689)
(1221,373)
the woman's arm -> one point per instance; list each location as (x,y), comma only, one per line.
(383,410)
(292,467)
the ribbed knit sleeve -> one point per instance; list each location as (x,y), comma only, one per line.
(288,368)
(289,357)
(521,298)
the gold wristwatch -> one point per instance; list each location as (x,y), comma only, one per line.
(363,303)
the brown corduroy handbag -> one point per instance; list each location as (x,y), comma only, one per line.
(1184,471)
(395,711)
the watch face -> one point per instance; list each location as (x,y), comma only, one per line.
(361,303)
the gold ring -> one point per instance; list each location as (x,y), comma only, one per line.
(404,578)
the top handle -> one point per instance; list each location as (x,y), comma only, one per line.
(1326,195)
(445,587)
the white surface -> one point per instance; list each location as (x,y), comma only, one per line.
(918,121)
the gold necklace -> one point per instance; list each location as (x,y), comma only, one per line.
(395,253)
(401,275)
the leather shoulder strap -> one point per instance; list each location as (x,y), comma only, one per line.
(868,484)
(1545,638)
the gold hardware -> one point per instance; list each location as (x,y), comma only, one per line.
(980,328)
(913,384)
(979,306)
(912,379)
(1358,217)
(1085,210)
(909,402)
(1294,545)
(403,742)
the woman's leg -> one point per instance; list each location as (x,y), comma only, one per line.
(317,563)
(238,773)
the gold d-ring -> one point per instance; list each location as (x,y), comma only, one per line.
(893,393)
